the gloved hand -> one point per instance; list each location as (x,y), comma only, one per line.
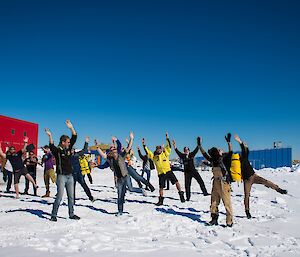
(228,137)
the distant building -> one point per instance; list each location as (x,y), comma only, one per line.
(267,158)
(13,131)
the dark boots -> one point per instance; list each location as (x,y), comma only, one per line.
(181,195)
(160,201)
(248,214)
(151,187)
(282,191)
(140,184)
(214,220)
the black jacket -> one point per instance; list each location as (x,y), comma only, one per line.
(188,160)
(63,157)
(247,169)
(224,162)
(145,158)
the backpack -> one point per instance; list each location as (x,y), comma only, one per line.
(235,168)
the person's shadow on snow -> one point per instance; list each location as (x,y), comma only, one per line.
(192,216)
(96,209)
(39,213)
(38,201)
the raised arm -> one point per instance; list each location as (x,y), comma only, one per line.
(168,145)
(148,152)
(243,146)
(52,147)
(85,147)
(193,154)
(130,142)
(140,154)
(3,155)
(205,155)
(228,138)
(180,154)
(49,134)
(74,135)
(119,146)
(104,155)
(25,140)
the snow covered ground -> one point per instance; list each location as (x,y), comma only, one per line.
(147,230)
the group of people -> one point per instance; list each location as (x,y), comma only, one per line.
(72,166)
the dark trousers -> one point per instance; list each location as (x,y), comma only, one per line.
(137,177)
(90,178)
(188,181)
(121,188)
(9,177)
(33,175)
(79,178)
(148,172)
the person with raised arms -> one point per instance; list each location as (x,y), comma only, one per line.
(189,168)
(160,157)
(62,154)
(15,158)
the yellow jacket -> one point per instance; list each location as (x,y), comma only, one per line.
(84,165)
(161,161)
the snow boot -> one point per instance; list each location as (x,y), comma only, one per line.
(181,195)
(160,201)
(282,191)
(46,195)
(248,214)
(74,217)
(53,219)
(214,220)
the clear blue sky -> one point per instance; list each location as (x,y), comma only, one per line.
(189,67)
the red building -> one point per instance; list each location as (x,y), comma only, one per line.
(13,131)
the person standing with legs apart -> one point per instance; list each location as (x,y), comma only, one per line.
(250,177)
(62,154)
(77,172)
(49,173)
(31,162)
(117,164)
(189,169)
(162,163)
(221,188)
(132,173)
(17,164)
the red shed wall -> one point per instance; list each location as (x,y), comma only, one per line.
(7,125)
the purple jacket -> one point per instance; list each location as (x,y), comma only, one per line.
(48,161)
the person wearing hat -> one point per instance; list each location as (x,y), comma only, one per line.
(221,186)
(17,164)
(49,173)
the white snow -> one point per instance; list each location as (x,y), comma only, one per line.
(147,230)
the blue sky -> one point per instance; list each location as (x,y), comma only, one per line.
(188,67)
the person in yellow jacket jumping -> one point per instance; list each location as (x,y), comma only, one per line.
(162,163)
